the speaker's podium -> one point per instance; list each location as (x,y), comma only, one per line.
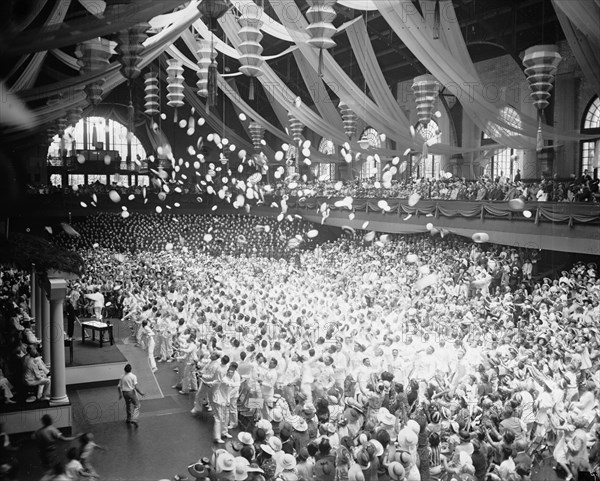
(99,327)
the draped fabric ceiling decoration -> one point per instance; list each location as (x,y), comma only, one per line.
(377,45)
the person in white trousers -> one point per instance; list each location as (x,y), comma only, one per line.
(225,380)
(148,334)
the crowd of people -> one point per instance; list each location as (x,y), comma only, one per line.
(234,234)
(403,358)
(500,188)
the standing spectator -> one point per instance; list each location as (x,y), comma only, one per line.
(128,389)
(518,176)
(98,302)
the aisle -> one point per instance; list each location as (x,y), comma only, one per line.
(151,452)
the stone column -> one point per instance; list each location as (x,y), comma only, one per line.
(39,294)
(33,302)
(45,318)
(57,292)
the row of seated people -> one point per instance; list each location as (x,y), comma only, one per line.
(501,188)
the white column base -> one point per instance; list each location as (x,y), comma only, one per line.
(58,401)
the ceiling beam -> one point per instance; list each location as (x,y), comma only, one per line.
(466,23)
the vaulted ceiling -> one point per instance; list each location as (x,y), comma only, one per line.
(491,28)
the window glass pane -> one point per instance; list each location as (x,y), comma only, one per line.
(502,163)
(120,180)
(587,156)
(76,179)
(592,117)
(56,180)
(326,171)
(430,167)
(143,180)
(93,178)
(97,128)
(370,166)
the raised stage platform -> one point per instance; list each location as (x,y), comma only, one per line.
(91,367)
(92,363)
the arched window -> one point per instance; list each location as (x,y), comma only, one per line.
(325,171)
(93,132)
(96,133)
(591,125)
(429,167)
(511,116)
(370,139)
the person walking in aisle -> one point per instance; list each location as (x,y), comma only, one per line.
(128,389)
(47,437)
(148,335)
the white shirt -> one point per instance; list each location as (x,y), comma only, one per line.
(128,382)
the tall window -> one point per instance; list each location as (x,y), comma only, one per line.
(76,179)
(93,131)
(503,163)
(370,138)
(326,171)
(429,167)
(591,125)
(290,159)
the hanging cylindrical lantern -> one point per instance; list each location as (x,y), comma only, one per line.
(426,89)
(129,49)
(211,99)
(349,118)
(151,99)
(256,133)
(212,10)
(93,58)
(250,48)
(204,60)
(74,115)
(296,128)
(175,85)
(321,15)
(541,62)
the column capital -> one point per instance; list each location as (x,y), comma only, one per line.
(56,289)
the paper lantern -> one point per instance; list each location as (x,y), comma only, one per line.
(151,98)
(175,85)
(93,58)
(296,128)
(129,47)
(426,89)
(74,115)
(349,119)
(321,15)
(250,47)
(213,9)
(204,52)
(541,63)
(256,133)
